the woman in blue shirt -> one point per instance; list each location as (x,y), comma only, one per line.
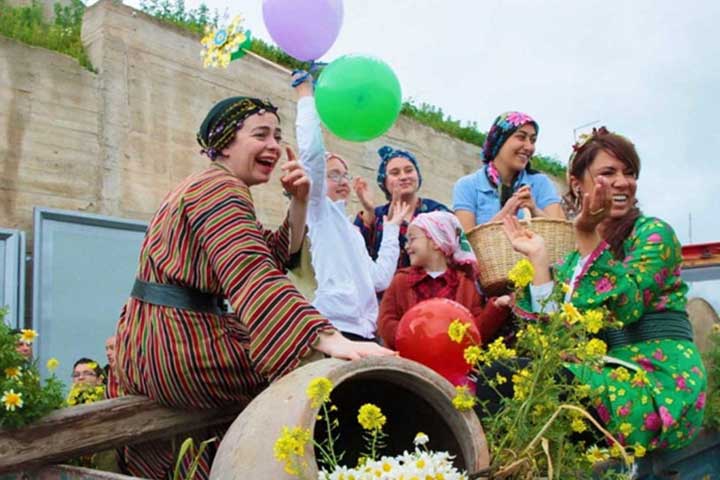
(506,184)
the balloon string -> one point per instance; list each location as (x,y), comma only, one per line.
(312,68)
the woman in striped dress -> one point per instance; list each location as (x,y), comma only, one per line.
(175,344)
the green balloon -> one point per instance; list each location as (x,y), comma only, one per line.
(358,97)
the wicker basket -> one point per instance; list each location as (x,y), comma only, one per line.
(496,256)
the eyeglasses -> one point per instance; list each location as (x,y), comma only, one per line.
(338,177)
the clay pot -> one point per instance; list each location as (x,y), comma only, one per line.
(412,397)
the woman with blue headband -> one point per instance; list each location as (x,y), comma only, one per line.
(506,184)
(399,178)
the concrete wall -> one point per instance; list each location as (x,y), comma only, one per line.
(115,142)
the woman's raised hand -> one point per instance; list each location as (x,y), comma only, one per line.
(364,193)
(523,240)
(596,207)
(337,346)
(294,180)
(525,200)
(398,211)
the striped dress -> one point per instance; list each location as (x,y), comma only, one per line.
(206,236)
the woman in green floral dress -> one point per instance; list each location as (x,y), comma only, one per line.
(650,390)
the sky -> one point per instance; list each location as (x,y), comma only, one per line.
(649,69)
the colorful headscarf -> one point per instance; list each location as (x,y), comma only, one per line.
(225,118)
(445,230)
(386,154)
(502,128)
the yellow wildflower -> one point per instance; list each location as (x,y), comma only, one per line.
(28,335)
(640,378)
(13,373)
(463,400)
(570,314)
(457,330)
(521,386)
(371,417)
(578,425)
(52,364)
(318,391)
(522,273)
(583,391)
(639,450)
(473,355)
(564,287)
(12,400)
(497,350)
(615,451)
(500,379)
(595,347)
(289,446)
(595,454)
(593,321)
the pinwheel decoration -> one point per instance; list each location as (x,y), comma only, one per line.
(225,44)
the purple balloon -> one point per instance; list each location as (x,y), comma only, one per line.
(304,29)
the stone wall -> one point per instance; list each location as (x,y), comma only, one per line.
(115,142)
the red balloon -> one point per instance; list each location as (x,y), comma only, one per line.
(422,335)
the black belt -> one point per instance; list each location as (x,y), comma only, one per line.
(668,325)
(176,296)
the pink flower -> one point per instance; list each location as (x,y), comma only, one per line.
(658,354)
(518,118)
(603,413)
(652,422)
(603,285)
(647,297)
(624,411)
(680,383)
(666,417)
(654,238)
(646,364)
(700,402)
(661,303)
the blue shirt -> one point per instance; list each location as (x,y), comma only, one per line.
(476,194)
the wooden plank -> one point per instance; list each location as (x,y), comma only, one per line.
(66,472)
(85,429)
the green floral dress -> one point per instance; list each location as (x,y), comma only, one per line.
(650,393)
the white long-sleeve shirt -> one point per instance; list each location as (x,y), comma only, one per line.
(347,277)
(540,293)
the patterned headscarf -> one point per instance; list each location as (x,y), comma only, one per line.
(445,230)
(386,154)
(502,128)
(225,118)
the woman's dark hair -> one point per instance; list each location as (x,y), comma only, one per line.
(583,156)
(84,360)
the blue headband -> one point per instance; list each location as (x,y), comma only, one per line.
(388,153)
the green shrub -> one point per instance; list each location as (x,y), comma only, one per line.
(27,25)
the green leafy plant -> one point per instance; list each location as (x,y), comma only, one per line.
(538,430)
(23,396)
(188,448)
(26,24)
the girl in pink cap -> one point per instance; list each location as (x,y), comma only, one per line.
(442,265)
